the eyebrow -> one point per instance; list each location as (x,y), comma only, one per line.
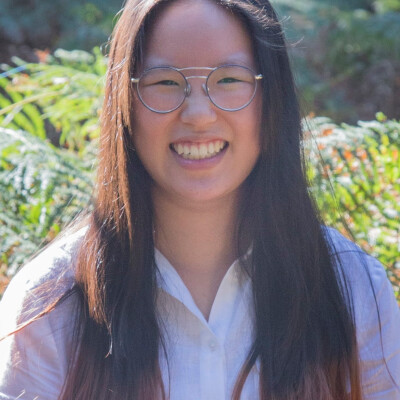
(235,59)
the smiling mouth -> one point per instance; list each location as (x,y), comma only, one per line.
(198,151)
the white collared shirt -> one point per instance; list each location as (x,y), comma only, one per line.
(204,357)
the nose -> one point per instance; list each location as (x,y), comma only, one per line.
(197,109)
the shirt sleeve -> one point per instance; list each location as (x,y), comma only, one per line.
(34,361)
(378,332)
(377,317)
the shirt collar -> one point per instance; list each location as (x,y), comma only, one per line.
(235,283)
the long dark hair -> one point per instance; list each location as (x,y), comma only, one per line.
(305,334)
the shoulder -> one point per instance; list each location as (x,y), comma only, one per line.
(34,361)
(364,275)
(376,315)
(52,269)
(359,268)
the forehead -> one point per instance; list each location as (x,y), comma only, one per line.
(197,33)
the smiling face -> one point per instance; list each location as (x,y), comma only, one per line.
(198,152)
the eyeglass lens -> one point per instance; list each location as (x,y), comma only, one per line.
(229,87)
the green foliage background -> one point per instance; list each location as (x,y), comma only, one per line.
(57,23)
(346,54)
(49,120)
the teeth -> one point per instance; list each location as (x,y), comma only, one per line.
(194,151)
(197,152)
(203,150)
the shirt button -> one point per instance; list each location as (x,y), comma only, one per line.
(212,345)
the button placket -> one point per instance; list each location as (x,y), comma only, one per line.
(212,344)
(213,371)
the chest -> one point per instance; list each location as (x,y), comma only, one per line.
(204,358)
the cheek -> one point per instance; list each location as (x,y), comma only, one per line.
(147,126)
(252,122)
(257,117)
(143,138)
(151,137)
(141,120)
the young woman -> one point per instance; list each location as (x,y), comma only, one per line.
(204,271)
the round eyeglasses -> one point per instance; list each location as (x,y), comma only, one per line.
(164,89)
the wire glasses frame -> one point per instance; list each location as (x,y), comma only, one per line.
(164,81)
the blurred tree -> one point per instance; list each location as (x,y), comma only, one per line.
(357,186)
(38,24)
(347,56)
(387,5)
(58,99)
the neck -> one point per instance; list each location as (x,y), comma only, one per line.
(199,241)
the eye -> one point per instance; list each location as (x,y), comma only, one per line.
(166,82)
(229,80)
(162,78)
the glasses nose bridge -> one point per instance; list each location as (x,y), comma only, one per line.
(188,89)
